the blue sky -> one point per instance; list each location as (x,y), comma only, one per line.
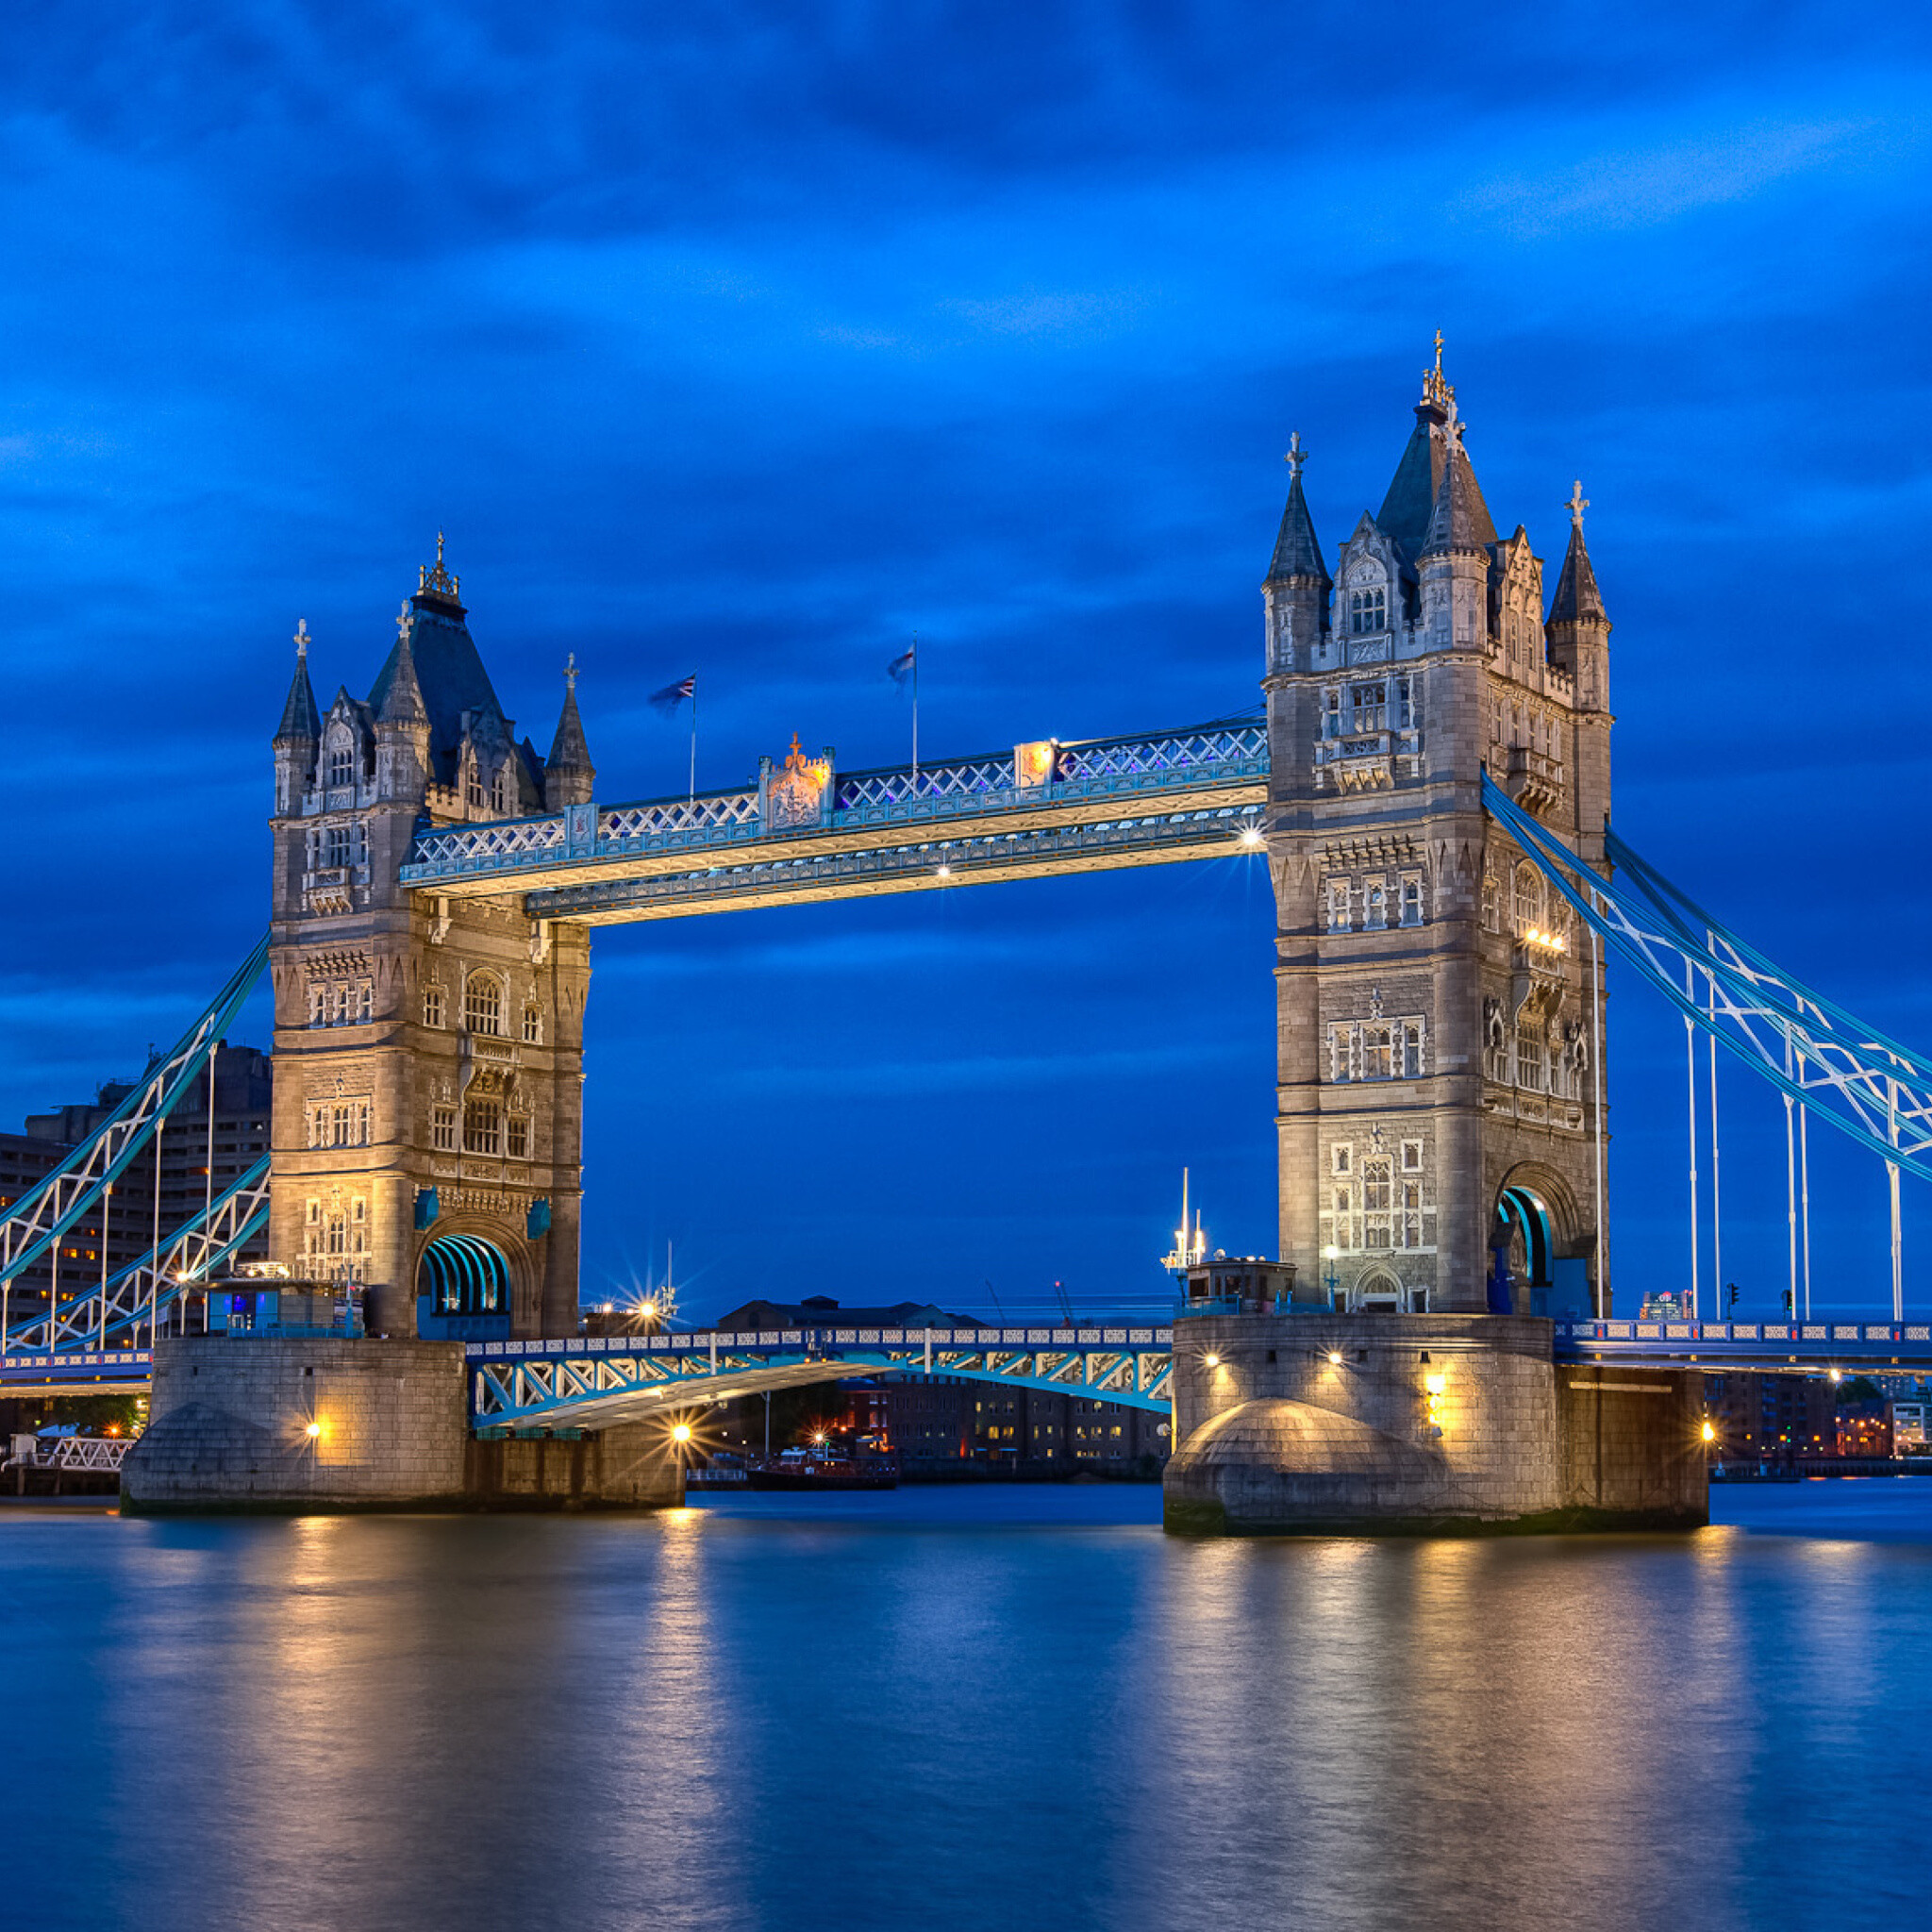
(754,338)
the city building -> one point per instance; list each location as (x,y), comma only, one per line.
(1908,1420)
(1762,1418)
(1865,1428)
(195,1166)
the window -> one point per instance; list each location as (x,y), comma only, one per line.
(366,1001)
(1368,610)
(1377,1232)
(1412,1156)
(1531,1069)
(1341,1057)
(443,1129)
(1410,1234)
(1368,706)
(483,1003)
(533,1026)
(473,786)
(1337,904)
(518,1128)
(1411,1050)
(1413,900)
(335,846)
(482,1127)
(341,761)
(1340,1156)
(1529,897)
(499,795)
(432,1006)
(318,1006)
(1378,1052)
(1492,914)
(1405,703)
(1331,715)
(343,1129)
(1375,907)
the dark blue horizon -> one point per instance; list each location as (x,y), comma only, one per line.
(756,341)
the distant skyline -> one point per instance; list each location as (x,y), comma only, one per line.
(751,341)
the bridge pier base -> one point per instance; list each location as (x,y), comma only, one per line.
(294,1425)
(1318,1423)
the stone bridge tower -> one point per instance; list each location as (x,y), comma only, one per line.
(428,1054)
(1438,1014)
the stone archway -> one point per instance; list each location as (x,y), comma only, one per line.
(463,1287)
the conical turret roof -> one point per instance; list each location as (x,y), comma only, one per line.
(402,702)
(1578,599)
(300,719)
(1297,550)
(569,752)
(1458,519)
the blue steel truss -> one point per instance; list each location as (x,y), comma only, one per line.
(1872,1089)
(597,1381)
(42,1215)
(148,1287)
(1045,784)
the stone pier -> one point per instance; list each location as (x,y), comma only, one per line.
(286,1424)
(1420,1424)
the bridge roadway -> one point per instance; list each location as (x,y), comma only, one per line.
(597,1380)
(806,831)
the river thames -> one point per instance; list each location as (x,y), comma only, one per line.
(962,1710)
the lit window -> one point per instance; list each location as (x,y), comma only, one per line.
(483,1003)
(482,1127)
(1337,904)
(1529,897)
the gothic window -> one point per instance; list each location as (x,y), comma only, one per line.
(1368,704)
(1405,703)
(1531,1069)
(1412,1156)
(1376,1204)
(341,761)
(337,1235)
(315,1126)
(1411,1050)
(1529,898)
(499,795)
(341,1125)
(1378,1052)
(1412,899)
(1411,1231)
(1368,610)
(335,846)
(482,1127)
(366,1001)
(432,1006)
(318,1006)
(518,1137)
(1493,904)
(443,1129)
(1337,904)
(1340,1068)
(533,1026)
(472,780)
(483,1003)
(1340,1156)
(1331,714)
(1374,906)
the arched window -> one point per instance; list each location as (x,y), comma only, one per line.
(483,1003)
(473,779)
(1368,610)
(1529,897)
(499,795)
(533,1026)
(342,759)
(432,1006)
(1377,1187)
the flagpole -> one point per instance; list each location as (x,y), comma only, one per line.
(693,740)
(915,712)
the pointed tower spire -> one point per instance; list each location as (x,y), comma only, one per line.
(1297,550)
(402,703)
(1459,520)
(568,773)
(301,721)
(1577,600)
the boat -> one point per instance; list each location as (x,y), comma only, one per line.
(812,1469)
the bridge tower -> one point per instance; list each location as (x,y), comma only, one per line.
(428,1053)
(1436,1015)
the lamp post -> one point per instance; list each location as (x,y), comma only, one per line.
(1330,1253)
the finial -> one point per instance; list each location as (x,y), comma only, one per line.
(301,637)
(1436,390)
(1296,454)
(1438,352)
(1577,504)
(439,534)
(569,671)
(436,576)
(403,620)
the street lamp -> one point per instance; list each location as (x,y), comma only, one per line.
(1330,1253)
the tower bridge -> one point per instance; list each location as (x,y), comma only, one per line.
(1427,781)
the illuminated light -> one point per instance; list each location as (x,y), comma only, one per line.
(314,1431)
(819,1440)
(945,872)
(1435,1384)
(1213,1362)
(681,1433)
(1331,1254)
(1251,837)
(1334,1357)
(1837,1375)
(1709,1433)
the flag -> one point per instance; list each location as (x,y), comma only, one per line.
(675,694)
(900,669)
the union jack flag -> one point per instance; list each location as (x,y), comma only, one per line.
(675,694)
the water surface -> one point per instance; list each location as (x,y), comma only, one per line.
(964,1708)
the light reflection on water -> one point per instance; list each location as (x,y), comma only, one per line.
(970,1710)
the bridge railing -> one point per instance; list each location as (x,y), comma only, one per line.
(1140,766)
